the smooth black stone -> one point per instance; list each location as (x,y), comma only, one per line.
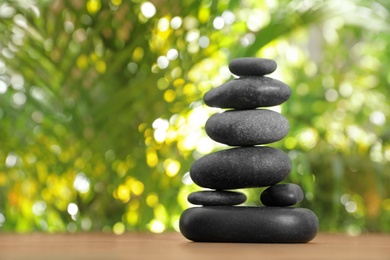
(247,127)
(243,167)
(217,198)
(248,93)
(282,195)
(249,224)
(252,66)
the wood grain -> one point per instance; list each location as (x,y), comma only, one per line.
(174,246)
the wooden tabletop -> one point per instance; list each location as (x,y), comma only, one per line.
(174,246)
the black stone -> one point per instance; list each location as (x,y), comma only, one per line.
(242,167)
(282,195)
(217,198)
(252,66)
(247,127)
(249,224)
(248,93)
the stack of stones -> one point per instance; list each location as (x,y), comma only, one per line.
(247,165)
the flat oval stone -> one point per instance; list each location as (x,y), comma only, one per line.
(252,66)
(243,167)
(249,224)
(217,198)
(247,127)
(282,195)
(248,93)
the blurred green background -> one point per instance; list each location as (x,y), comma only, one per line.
(101,112)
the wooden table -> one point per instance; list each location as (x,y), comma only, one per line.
(174,246)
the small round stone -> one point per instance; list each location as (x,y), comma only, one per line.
(217,198)
(282,195)
(247,127)
(242,167)
(248,93)
(249,224)
(252,66)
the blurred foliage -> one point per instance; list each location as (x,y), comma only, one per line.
(101,112)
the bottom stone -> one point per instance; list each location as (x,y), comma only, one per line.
(249,224)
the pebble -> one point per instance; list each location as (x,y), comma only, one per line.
(247,127)
(282,195)
(248,93)
(217,198)
(249,224)
(252,66)
(242,167)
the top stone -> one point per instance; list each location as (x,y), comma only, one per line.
(252,66)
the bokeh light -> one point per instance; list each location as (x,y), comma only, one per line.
(148,9)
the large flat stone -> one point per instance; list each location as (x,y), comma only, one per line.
(249,224)
(247,127)
(243,167)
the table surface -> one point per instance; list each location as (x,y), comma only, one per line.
(174,246)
